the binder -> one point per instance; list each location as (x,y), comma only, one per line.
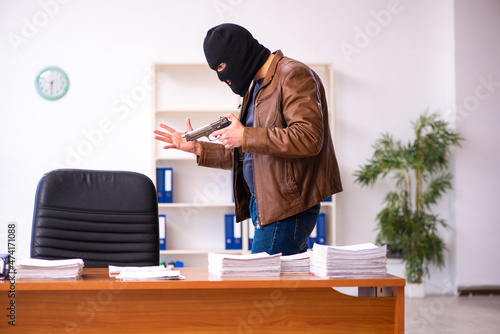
(228,228)
(164,184)
(321,229)
(318,235)
(237,231)
(160,184)
(162,219)
(168,182)
(232,232)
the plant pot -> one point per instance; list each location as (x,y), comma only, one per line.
(415,290)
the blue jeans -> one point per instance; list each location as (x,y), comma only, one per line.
(288,236)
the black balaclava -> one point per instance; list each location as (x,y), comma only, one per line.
(243,55)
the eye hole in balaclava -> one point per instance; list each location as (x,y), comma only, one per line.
(243,56)
(219,69)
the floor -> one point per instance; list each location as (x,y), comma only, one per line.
(453,315)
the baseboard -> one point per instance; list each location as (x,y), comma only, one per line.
(478,290)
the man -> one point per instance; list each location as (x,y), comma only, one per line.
(280,150)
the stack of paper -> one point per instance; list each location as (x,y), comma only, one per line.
(367,260)
(146,273)
(296,264)
(259,264)
(117,270)
(49,269)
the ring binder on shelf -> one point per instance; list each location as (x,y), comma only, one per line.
(233,232)
(164,184)
(162,219)
(237,234)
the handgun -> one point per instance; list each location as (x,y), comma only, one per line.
(206,130)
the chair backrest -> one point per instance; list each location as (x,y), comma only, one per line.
(103,217)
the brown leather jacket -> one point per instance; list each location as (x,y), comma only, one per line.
(294,160)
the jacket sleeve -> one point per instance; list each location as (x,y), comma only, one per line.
(302,111)
(215,156)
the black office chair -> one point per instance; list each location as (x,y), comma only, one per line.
(103,217)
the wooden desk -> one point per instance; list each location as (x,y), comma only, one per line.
(202,304)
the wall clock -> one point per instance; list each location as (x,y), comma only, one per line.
(52,83)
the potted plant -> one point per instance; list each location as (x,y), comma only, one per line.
(420,170)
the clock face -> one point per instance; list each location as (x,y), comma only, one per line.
(52,83)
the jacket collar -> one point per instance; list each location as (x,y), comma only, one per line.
(278,55)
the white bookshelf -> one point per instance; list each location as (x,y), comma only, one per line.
(202,196)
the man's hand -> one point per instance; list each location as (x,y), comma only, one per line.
(232,136)
(175,140)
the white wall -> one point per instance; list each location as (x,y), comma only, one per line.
(478,118)
(392,60)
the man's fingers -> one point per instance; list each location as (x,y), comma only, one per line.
(231,117)
(161,133)
(188,124)
(163,136)
(168,128)
(162,139)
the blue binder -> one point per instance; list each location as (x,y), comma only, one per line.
(164,184)
(237,231)
(321,228)
(160,184)
(228,229)
(162,219)
(232,232)
(318,235)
